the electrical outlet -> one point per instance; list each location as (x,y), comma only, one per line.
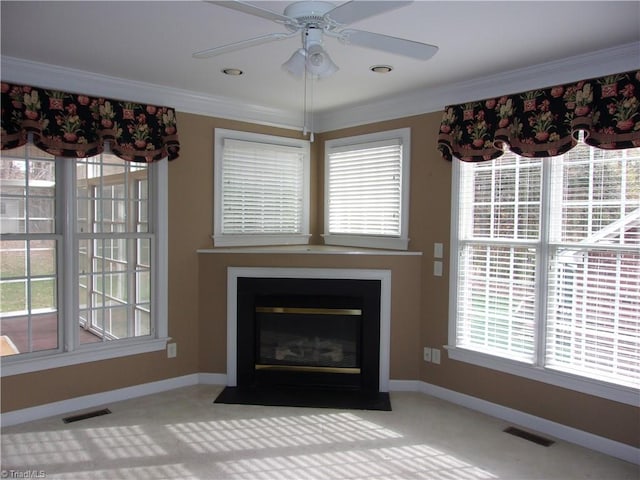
(427,354)
(172,350)
(435,356)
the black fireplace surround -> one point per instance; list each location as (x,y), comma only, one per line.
(309,333)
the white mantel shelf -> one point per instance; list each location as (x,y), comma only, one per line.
(308,249)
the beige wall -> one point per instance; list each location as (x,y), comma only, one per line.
(197,293)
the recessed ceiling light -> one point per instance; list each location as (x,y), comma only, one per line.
(232,71)
(381,68)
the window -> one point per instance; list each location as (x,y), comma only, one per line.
(29,252)
(261,189)
(367,190)
(114,277)
(81,256)
(547,255)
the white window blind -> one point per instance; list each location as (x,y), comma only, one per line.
(262,188)
(548,262)
(366,190)
(500,218)
(593,319)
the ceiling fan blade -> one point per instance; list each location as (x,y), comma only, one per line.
(386,43)
(250,42)
(252,10)
(353,11)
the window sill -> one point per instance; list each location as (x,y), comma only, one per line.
(16,365)
(308,250)
(259,240)
(617,393)
(366,241)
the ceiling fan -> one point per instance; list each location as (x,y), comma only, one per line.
(314,19)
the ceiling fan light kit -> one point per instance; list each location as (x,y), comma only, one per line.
(296,63)
(312,58)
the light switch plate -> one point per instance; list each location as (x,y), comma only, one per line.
(437,268)
(438,250)
(435,356)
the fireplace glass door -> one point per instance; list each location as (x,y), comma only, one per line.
(308,339)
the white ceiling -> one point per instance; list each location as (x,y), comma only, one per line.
(150,43)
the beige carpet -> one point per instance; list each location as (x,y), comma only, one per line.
(182,434)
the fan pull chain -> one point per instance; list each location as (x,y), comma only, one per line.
(304,113)
(311,109)
(307,127)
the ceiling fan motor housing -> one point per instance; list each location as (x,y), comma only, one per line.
(309,13)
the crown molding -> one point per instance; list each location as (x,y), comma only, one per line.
(596,64)
(602,62)
(17,70)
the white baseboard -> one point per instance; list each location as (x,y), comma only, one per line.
(405,385)
(212,379)
(537,424)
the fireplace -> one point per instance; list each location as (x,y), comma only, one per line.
(309,337)
(308,332)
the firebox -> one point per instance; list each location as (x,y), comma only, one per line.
(308,333)
(315,339)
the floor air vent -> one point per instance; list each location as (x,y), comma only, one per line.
(545,442)
(84,416)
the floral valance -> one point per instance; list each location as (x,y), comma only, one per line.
(545,122)
(72,125)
